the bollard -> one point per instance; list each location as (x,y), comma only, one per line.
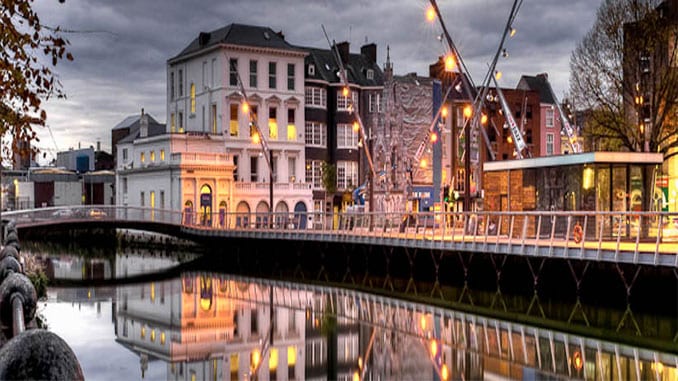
(17,285)
(37,354)
(18,325)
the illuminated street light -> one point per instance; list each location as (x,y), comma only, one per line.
(423,163)
(444,373)
(513,32)
(498,74)
(245,107)
(256,139)
(356,127)
(443,112)
(450,63)
(345,92)
(430,14)
(468,111)
(434,137)
(483,119)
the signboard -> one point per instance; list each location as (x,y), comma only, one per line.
(205,199)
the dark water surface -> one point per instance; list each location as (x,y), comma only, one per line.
(160,318)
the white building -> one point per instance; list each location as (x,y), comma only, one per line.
(205,160)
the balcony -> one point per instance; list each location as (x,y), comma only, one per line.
(200,158)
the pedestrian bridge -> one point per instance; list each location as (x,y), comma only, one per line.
(649,238)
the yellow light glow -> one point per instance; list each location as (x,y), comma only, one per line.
(642,128)
(513,32)
(587,181)
(422,321)
(152,335)
(162,338)
(444,373)
(430,14)
(356,376)
(360,362)
(434,137)
(498,75)
(152,291)
(255,358)
(273,359)
(291,355)
(509,140)
(443,112)
(450,63)
(483,119)
(345,91)
(468,111)
(255,138)
(658,367)
(577,360)
(423,163)
(433,348)
(356,127)
(245,107)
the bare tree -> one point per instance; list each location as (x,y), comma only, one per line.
(624,72)
(29,51)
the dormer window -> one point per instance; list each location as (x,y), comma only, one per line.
(311,69)
(370,74)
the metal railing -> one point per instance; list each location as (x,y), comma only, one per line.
(584,235)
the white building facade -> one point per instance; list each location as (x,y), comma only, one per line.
(206,159)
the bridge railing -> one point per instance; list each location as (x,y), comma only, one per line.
(524,228)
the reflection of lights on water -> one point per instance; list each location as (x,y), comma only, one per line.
(434,348)
(577,360)
(445,373)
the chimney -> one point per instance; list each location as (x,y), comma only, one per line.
(544,76)
(143,125)
(342,47)
(369,51)
(98,146)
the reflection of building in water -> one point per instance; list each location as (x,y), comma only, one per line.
(72,267)
(207,327)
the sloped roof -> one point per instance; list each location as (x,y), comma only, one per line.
(154,129)
(538,83)
(237,34)
(327,69)
(128,121)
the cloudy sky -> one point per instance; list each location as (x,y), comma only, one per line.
(120,47)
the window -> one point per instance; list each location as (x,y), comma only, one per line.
(291,125)
(233,121)
(292,168)
(346,136)
(271,75)
(374,102)
(124,154)
(253,73)
(549,144)
(233,72)
(152,156)
(213,118)
(181,83)
(172,86)
(181,122)
(311,69)
(162,206)
(173,127)
(347,174)
(549,117)
(315,134)
(254,324)
(254,160)
(235,167)
(162,155)
(192,98)
(204,74)
(291,362)
(314,173)
(315,97)
(142,200)
(214,72)
(142,157)
(203,117)
(370,74)
(273,122)
(290,76)
(343,102)
(124,185)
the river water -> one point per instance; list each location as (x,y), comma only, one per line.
(135,314)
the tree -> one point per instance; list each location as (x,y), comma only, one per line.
(329,178)
(25,79)
(624,72)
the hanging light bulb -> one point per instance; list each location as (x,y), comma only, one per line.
(450,63)
(255,138)
(430,14)
(483,119)
(434,137)
(245,107)
(512,32)
(356,127)
(423,163)
(497,75)
(468,111)
(443,112)
(345,91)
(504,53)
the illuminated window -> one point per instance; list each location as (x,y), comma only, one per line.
(181,122)
(234,366)
(152,291)
(291,362)
(273,363)
(142,334)
(152,156)
(192,98)
(273,123)
(233,126)
(153,335)
(162,338)
(291,125)
(162,155)
(142,157)
(173,127)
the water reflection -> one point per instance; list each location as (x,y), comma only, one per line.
(211,326)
